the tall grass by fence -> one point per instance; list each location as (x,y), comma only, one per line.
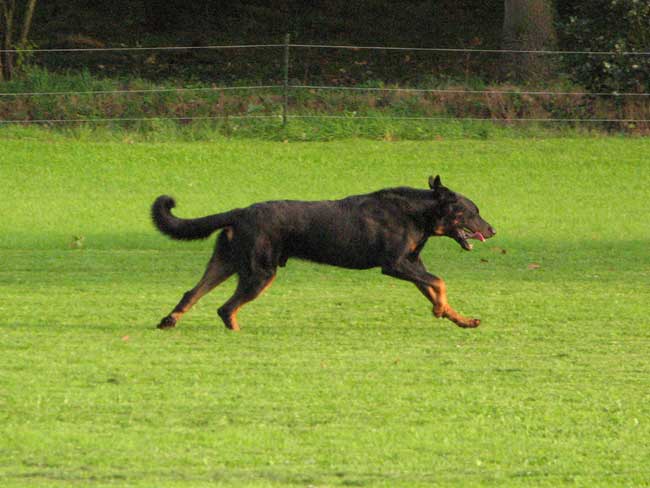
(82,99)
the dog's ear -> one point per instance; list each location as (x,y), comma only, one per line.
(434,184)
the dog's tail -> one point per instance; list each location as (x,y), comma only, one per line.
(187,229)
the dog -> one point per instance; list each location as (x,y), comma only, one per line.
(386,229)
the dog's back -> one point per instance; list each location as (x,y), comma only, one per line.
(353,232)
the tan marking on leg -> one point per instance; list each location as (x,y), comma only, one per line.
(440,290)
(234,325)
(437,295)
(239,299)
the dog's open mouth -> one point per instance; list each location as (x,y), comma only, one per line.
(463,235)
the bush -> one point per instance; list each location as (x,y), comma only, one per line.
(609,25)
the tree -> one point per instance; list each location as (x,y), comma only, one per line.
(8,21)
(528,25)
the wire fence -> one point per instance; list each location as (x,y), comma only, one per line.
(328,46)
(329,87)
(284,111)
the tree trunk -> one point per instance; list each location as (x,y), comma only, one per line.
(528,26)
(7,21)
(8,9)
(27,22)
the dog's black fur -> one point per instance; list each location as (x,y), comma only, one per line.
(385,229)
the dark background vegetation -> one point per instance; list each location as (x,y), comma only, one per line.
(445,23)
(611,25)
(616,26)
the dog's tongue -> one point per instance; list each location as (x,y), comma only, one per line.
(477,235)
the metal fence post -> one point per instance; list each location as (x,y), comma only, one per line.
(285,104)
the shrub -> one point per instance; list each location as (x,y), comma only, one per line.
(609,25)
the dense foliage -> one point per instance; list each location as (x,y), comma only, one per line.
(409,22)
(439,23)
(621,26)
(599,25)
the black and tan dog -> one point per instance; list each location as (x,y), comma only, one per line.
(385,229)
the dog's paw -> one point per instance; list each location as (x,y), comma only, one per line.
(167,323)
(471,323)
(466,323)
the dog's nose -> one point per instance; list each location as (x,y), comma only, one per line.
(492,230)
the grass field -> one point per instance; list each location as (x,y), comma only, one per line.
(338,378)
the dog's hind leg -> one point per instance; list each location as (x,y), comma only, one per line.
(219,269)
(248,289)
(216,273)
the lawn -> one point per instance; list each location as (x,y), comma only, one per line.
(338,377)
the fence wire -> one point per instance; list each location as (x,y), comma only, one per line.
(471,50)
(470,119)
(138,48)
(329,46)
(139,119)
(279,117)
(473,92)
(139,91)
(328,87)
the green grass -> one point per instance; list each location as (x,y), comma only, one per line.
(338,378)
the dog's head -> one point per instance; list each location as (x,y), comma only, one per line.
(457,216)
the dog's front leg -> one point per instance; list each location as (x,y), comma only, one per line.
(432,287)
(437,295)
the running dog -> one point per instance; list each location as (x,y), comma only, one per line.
(386,229)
